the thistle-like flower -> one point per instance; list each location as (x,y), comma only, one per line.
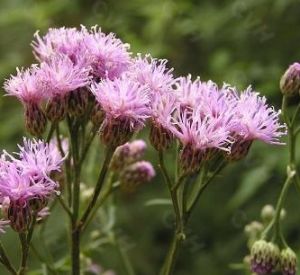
(199,136)
(28,88)
(25,181)
(66,41)
(152,73)
(60,77)
(254,120)
(109,55)
(126,107)
(162,109)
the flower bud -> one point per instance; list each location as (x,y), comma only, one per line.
(253,229)
(136,174)
(264,257)
(115,132)
(78,102)
(190,159)
(56,108)
(97,115)
(267,213)
(160,138)
(290,81)
(288,262)
(128,153)
(35,119)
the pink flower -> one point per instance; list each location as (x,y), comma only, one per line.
(152,72)
(26,85)
(123,100)
(60,75)
(201,132)
(66,41)
(255,119)
(28,176)
(109,55)
(162,109)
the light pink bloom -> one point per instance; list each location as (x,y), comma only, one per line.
(152,72)
(26,85)
(255,119)
(60,75)
(123,100)
(109,55)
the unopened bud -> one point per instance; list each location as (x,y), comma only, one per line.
(56,108)
(160,138)
(253,229)
(288,262)
(35,120)
(264,257)
(136,174)
(78,101)
(267,213)
(290,81)
(128,153)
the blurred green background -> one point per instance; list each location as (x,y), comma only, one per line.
(240,42)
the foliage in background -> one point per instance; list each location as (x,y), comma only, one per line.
(240,42)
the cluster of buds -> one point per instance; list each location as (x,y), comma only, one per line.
(266,258)
(127,163)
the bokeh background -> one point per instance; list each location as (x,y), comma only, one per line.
(241,42)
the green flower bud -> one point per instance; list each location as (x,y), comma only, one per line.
(288,262)
(267,213)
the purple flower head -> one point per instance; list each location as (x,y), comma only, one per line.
(124,100)
(26,85)
(66,41)
(152,72)
(188,91)
(60,75)
(109,55)
(163,107)
(255,119)
(28,176)
(200,132)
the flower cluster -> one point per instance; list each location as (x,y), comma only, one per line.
(25,181)
(87,72)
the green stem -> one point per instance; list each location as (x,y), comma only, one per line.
(87,145)
(51,131)
(124,258)
(179,235)
(24,257)
(98,188)
(5,260)
(65,206)
(169,264)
